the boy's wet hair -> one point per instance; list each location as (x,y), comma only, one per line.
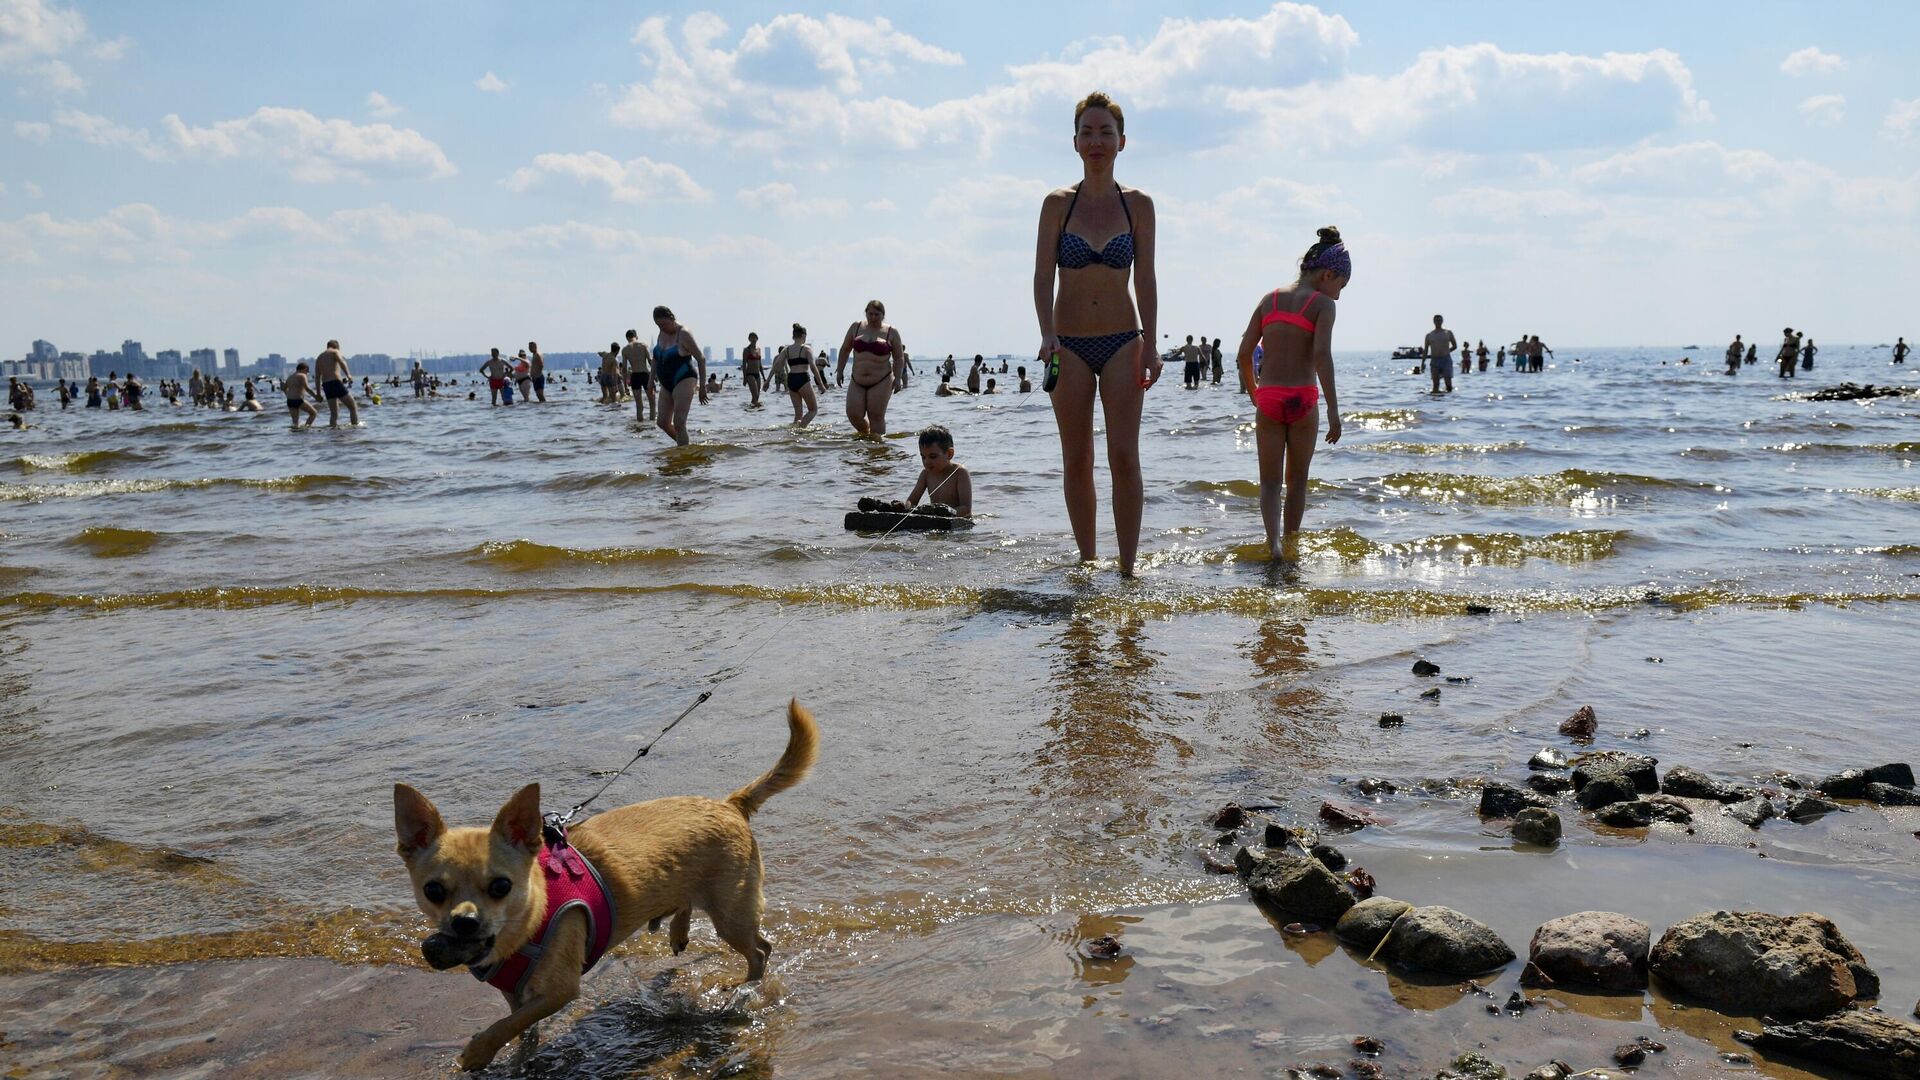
(937,435)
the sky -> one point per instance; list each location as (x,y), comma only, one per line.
(446,176)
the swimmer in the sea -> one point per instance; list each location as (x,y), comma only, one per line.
(750,370)
(801,377)
(1734,352)
(639,364)
(973,374)
(298,387)
(1482,353)
(1026,384)
(330,368)
(876,352)
(677,361)
(1900,351)
(1806,355)
(1789,351)
(537,367)
(1440,346)
(496,371)
(1294,325)
(942,479)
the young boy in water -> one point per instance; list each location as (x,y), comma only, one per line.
(942,479)
(298,386)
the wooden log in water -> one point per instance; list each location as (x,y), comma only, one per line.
(880,521)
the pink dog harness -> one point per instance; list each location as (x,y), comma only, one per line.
(572,882)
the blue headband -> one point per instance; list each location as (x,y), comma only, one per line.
(1333,258)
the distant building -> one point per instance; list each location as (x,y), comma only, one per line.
(729,354)
(43,351)
(205,361)
(272,364)
(103,363)
(233,363)
(131,353)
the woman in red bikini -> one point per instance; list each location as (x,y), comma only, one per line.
(878,360)
(1103,348)
(1294,328)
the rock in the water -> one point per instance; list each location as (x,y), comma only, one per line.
(1847,391)
(1431,693)
(1302,886)
(1537,826)
(1801,809)
(1472,1066)
(1550,785)
(1694,784)
(1329,856)
(1498,800)
(1850,784)
(1751,812)
(1629,1054)
(1547,758)
(1593,948)
(1871,1044)
(1276,835)
(1442,939)
(1424,667)
(1392,720)
(1245,859)
(1604,790)
(1582,724)
(1638,767)
(1366,922)
(1552,1070)
(1640,813)
(1230,816)
(1757,964)
(1342,816)
(1899,774)
(1889,795)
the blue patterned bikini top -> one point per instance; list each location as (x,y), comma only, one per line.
(1074,251)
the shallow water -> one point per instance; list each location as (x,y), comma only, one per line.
(223,642)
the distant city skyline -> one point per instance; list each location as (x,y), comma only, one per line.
(1679,174)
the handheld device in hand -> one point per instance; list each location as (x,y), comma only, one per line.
(1053,373)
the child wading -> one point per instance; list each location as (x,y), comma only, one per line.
(1293,327)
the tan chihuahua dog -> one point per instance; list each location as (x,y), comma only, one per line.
(655,859)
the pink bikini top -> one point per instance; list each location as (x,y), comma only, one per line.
(877,348)
(1299,318)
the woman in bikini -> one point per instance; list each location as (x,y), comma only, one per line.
(1091,339)
(1294,327)
(877,359)
(750,369)
(681,369)
(798,358)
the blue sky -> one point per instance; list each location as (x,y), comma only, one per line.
(450,176)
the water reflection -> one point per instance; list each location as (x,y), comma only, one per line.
(1298,717)
(1102,743)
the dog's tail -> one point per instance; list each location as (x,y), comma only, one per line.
(803,745)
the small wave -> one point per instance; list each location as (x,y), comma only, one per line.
(83,461)
(1902,448)
(1241,489)
(1910,494)
(107,542)
(1563,486)
(527,555)
(1382,419)
(86,489)
(1895,550)
(1474,548)
(1436,449)
(594,480)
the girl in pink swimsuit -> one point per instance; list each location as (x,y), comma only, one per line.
(1293,328)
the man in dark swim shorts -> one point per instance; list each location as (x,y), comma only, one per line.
(330,367)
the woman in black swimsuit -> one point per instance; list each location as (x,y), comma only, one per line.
(878,357)
(799,360)
(750,371)
(1089,330)
(677,362)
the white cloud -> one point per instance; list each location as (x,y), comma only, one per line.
(33,35)
(32,130)
(785,200)
(880,206)
(641,180)
(310,149)
(111,50)
(1824,110)
(1903,119)
(491,83)
(30,189)
(1811,61)
(380,107)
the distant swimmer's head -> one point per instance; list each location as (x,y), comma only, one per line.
(1099,128)
(633,335)
(799,332)
(1327,266)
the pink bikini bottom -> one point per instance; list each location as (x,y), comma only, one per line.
(1286,403)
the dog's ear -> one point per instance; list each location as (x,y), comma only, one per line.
(518,822)
(415,821)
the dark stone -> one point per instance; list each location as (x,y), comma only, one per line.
(1640,813)
(1550,785)
(1536,826)
(1442,939)
(1499,800)
(1889,795)
(1472,1066)
(1605,790)
(1582,724)
(1329,856)
(1459,678)
(1277,836)
(1592,948)
(1871,1044)
(1629,1054)
(1424,668)
(1847,391)
(1851,784)
(1341,816)
(1230,816)
(1301,886)
(1366,922)
(1368,1045)
(1547,758)
(1898,774)
(1479,609)
(1432,694)
(1755,964)
(1392,719)
(1751,812)
(1373,785)
(1246,859)
(1552,1070)
(1694,784)
(1639,768)
(1801,809)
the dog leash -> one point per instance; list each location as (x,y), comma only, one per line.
(554,824)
